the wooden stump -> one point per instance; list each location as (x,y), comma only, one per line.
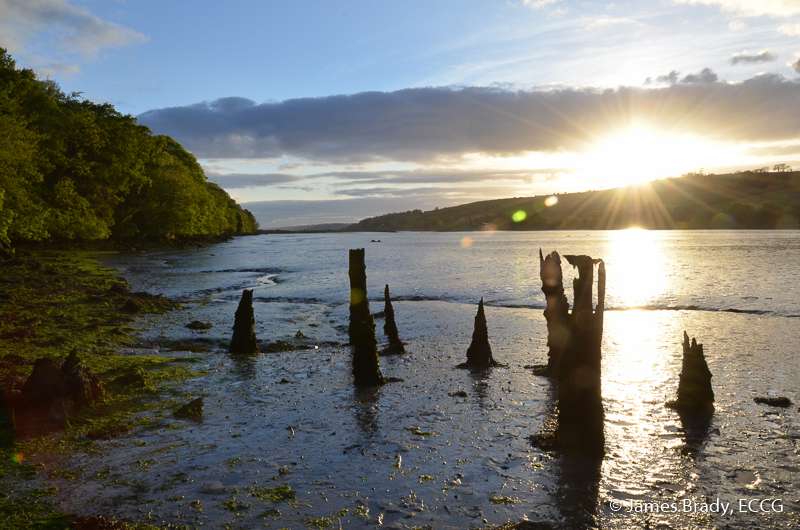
(556,312)
(479,353)
(390,327)
(574,358)
(366,368)
(695,394)
(244,326)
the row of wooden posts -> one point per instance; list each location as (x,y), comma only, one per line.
(573,338)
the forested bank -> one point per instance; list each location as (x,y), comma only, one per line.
(758,199)
(74,170)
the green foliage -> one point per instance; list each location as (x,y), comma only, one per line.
(73,169)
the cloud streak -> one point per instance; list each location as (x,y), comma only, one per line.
(76,29)
(751,8)
(428,124)
(764,56)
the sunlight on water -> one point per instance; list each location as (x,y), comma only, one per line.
(634,267)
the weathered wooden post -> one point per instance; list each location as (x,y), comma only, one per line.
(695,394)
(556,312)
(479,353)
(390,327)
(575,354)
(366,369)
(244,322)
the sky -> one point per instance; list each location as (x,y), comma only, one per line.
(312,112)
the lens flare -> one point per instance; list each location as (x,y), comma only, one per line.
(18,458)
(551,201)
(356,296)
(519,216)
(466,242)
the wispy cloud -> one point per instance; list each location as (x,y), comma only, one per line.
(79,34)
(764,56)
(751,8)
(250,180)
(539,4)
(605,22)
(794,63)
(792,30)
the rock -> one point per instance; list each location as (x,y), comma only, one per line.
(132,306)
(191,411)
(196,324)
(773,401)
(244,334)
(135,378)
(54,391)
(211,488)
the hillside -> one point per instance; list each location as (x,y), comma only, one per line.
(750,199)
(71,169)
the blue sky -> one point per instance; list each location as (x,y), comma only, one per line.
(333,111)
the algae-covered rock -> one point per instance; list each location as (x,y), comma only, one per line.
(54,391)
(244,334)
(191,411)
(197,325)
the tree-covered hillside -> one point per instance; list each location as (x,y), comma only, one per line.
(751,199)
(72,169)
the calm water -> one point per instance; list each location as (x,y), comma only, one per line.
(340,448)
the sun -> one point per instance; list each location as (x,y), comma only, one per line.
(640,155)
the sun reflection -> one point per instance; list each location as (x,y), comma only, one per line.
(634,268)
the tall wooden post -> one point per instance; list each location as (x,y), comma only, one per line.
(366,369)
(244,334)
(556,312)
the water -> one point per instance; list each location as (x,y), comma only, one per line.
(340,448)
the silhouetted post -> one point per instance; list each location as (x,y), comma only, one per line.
(479,353)
(390,327)
(366,369)
(244,326)
(694,386)
(580,405)
(557,311)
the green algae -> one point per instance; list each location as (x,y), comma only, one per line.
(54,303)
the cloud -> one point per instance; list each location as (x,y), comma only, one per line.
(751,8)
(249,180)
(736,25)
(275,214)
(764,56)
(772,150)
(705,76)
(792,30)
(605,22)
(794,64)
(424,125)
(670,78)
(77,30)
(538,4)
